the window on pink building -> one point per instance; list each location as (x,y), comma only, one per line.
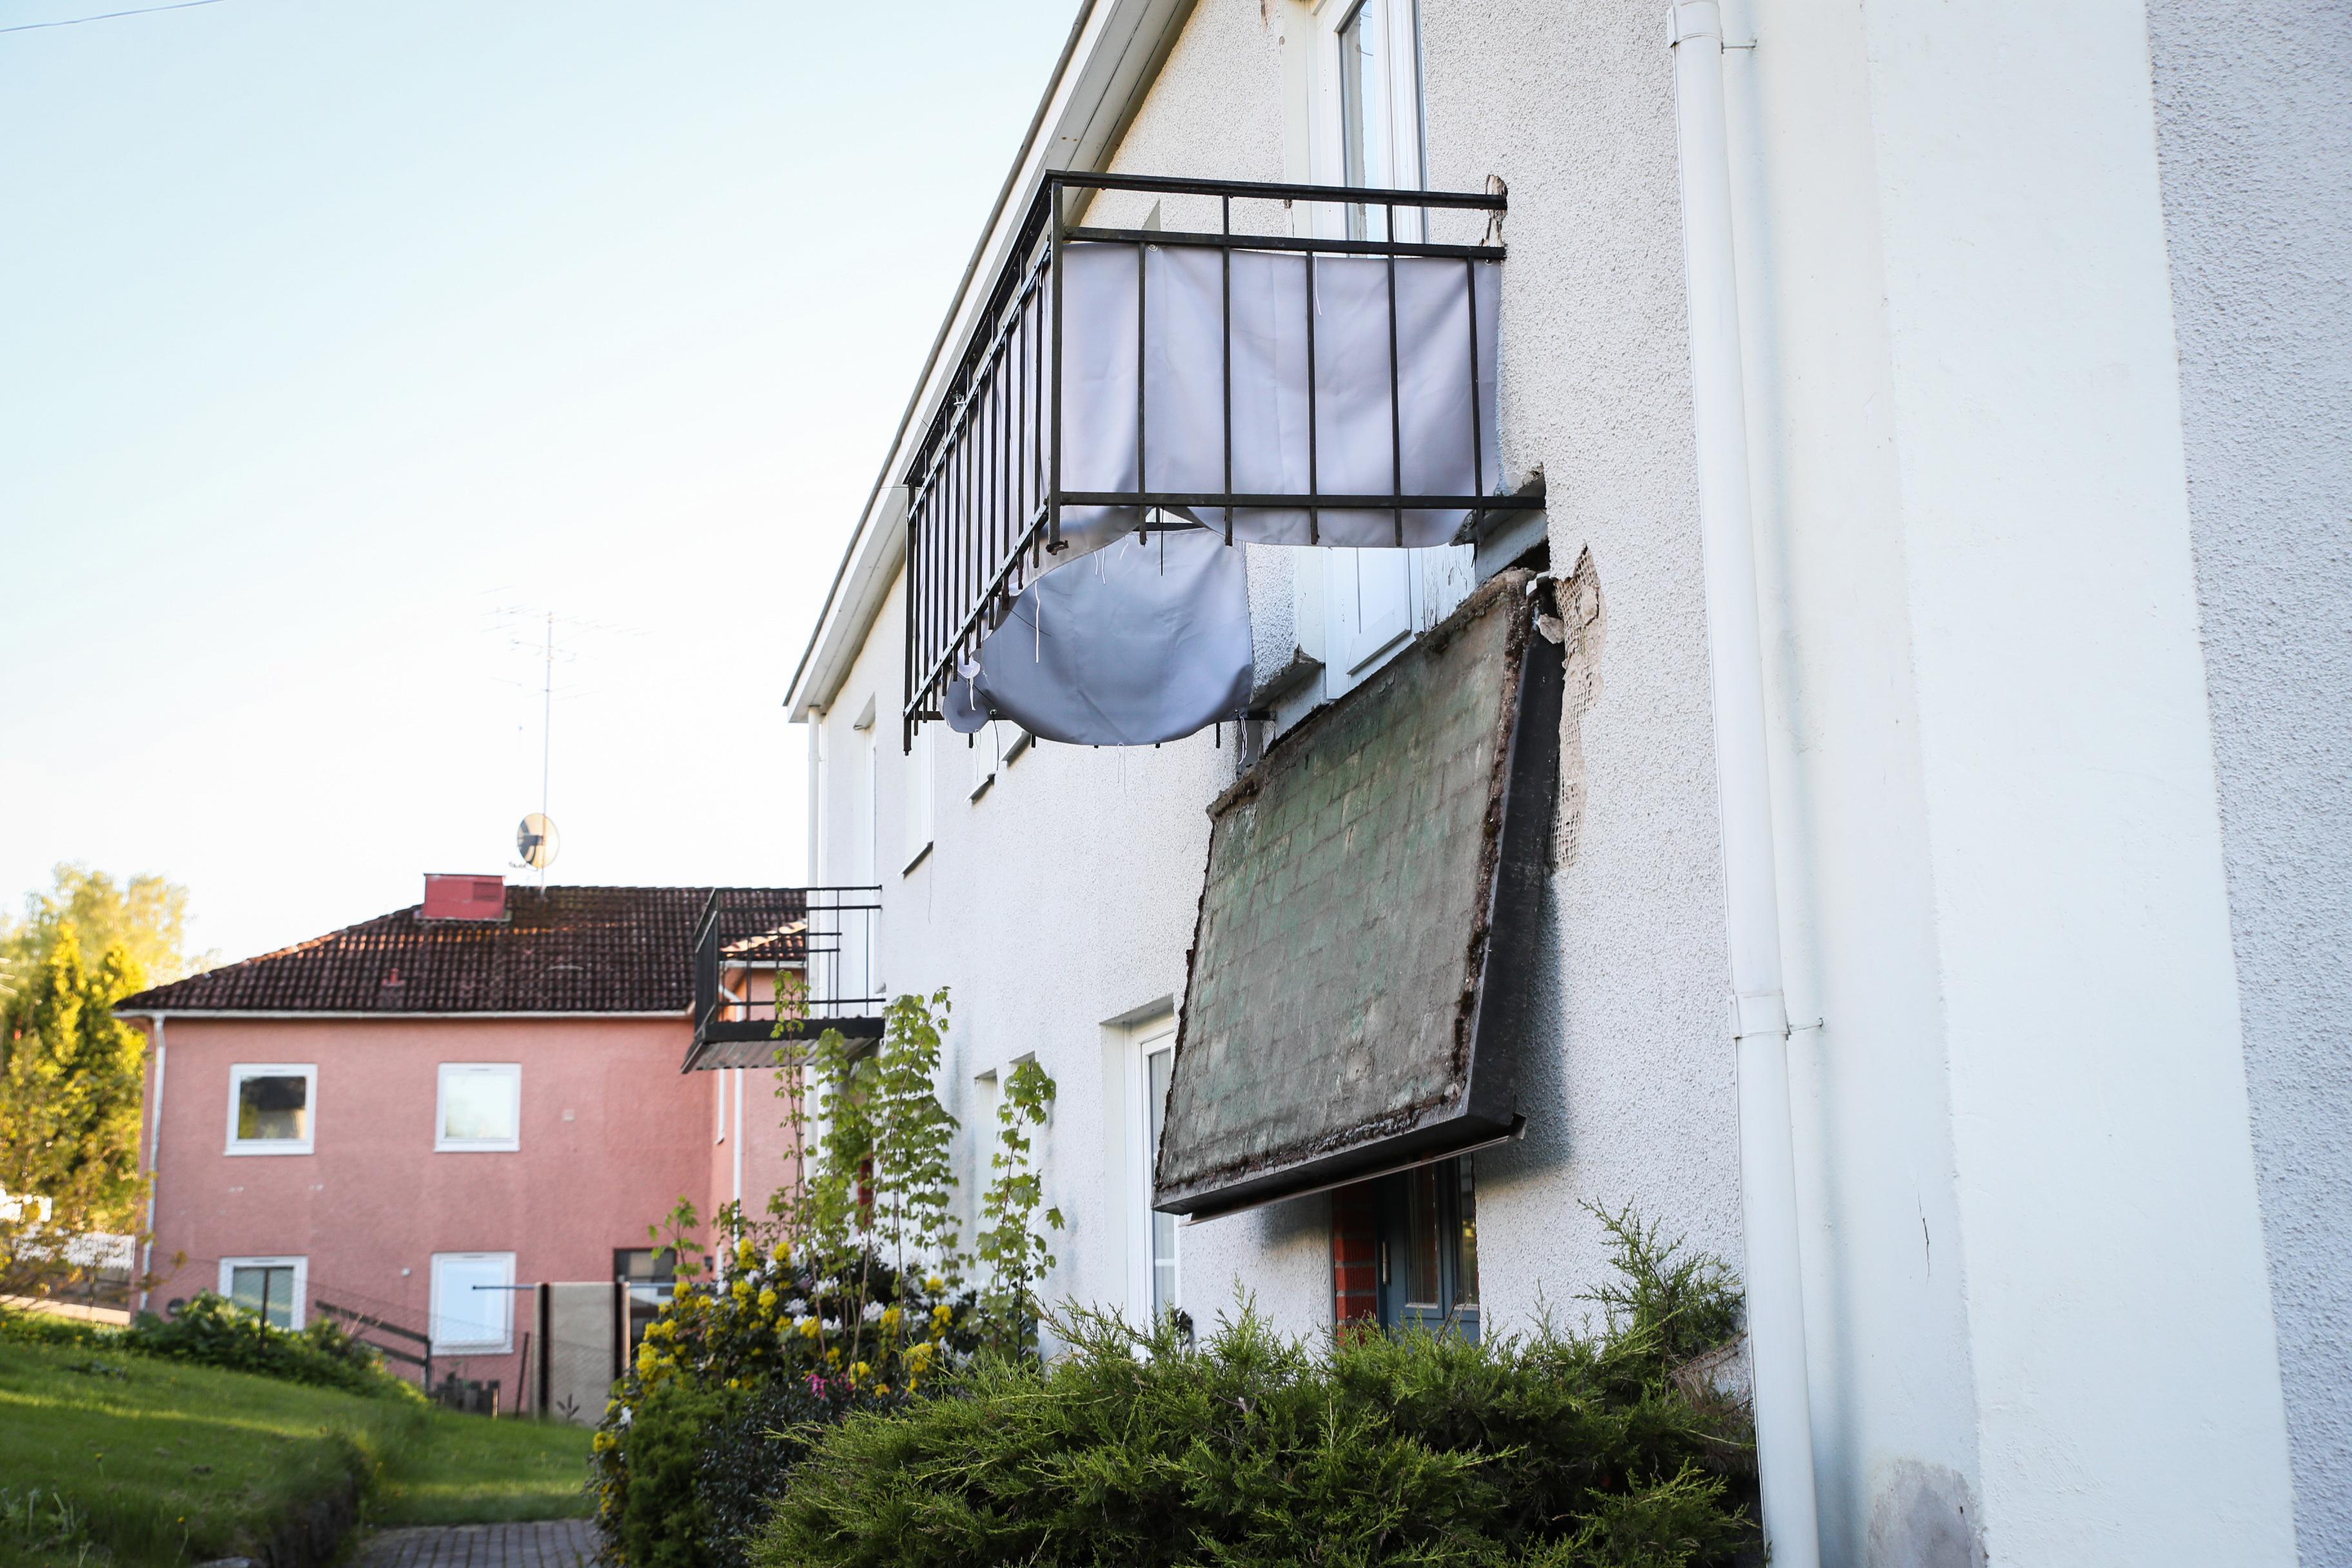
(480,1107)
(269,1107)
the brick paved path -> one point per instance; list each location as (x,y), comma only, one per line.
(563,1543)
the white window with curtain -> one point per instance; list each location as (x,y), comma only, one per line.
(275,1290)
(473,1303)
(480,1108)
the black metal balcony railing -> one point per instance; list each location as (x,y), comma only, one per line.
(989,482)
(782,963)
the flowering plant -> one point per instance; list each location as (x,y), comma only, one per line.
(848,1293)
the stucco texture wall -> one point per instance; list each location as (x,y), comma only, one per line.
(2254,139)
(1063,898)
(1632,1098)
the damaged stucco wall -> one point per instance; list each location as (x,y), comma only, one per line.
(1573,108)
(2254,137)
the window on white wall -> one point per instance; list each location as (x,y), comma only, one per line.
(480,1107)
(270,1107)
(274,1289)
(922,795)
(473,1303)
(982,758)
(1370,136)
(1154,1063)
(1377,50)
(865,847)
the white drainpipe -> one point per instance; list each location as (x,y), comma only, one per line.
(1759,1012)
(154,1157)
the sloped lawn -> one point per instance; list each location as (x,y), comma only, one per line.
(152,1461)
(128,1460)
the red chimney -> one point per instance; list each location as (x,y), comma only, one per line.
(450,896)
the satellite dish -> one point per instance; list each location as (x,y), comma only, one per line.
(537,842)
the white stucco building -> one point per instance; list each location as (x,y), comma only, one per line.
(2041,349)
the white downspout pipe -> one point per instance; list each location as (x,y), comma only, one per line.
(1759,1013)
(154,1158)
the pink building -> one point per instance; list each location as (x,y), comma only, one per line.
(417,1122)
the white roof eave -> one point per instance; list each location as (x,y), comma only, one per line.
(1114,51)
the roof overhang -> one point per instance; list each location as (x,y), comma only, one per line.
(1114,51)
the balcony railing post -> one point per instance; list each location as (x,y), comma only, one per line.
(1225,260)
(1054,458)
(1396,411)
(1477,435)
(1314,485)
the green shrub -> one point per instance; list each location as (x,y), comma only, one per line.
(849,1297)
(212,1332)
(1549,1448)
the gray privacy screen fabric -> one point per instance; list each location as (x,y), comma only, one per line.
(1139,642)
(1129,641)
(1441,440)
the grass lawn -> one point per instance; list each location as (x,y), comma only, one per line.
(159,1462)
(466,1469)
(134,1461)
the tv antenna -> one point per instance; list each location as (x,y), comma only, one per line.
(535,838)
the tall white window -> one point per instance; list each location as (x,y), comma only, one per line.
(922,795)
(983,757)
(1154,1062)
(1376,50)
(270,1107)
(272,1288)
(866,830)
(480,1107)
(473,1303)
(1370,136)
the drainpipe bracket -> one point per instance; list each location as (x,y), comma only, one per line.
(1764,1014)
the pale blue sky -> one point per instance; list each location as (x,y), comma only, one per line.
(329,331)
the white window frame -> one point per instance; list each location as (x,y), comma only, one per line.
(301,1266)
(922,799)
(447,1145)
(505,1295)
(1144,1040)
(986,752)
(1371,604)
(1326,143)
(306,1071)
(866,837)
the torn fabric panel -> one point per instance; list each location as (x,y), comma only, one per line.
(1142,641)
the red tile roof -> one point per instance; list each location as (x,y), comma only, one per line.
(558,950)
